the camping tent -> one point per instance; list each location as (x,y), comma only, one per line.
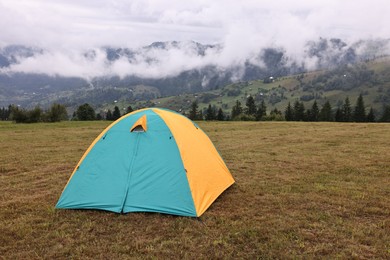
(151,160)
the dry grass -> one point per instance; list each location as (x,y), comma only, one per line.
(303,190)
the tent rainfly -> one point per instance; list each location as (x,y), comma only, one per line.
(151,160)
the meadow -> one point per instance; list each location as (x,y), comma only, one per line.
(303,190)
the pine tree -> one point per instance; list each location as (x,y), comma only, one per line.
(359,114)
(346,115)
(2,114)
(339,115)
(236,110)
(8,112)
(314,112)
(386,114)
(288,113)
(220,115)
(299,111)
(194,113)
(371,116)
(116,114)
(308,115)
(210,113)
(129,109)
(250,109)
(275,111)
(326,112)
(109,115)
(200,115)
(261,111)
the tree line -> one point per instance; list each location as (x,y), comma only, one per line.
(55,113)
(344,113)
(250,112)
(86,112)
(211,113)
(293,112)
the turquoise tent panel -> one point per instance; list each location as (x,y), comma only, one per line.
(132,171)
(100,180)
(158,181)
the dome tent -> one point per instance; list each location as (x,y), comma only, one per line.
(151,160)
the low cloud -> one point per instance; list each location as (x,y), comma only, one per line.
(172,58)
(71,35)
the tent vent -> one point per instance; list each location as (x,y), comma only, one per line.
(138,128)
(140,125)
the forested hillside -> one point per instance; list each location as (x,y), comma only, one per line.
(371,79)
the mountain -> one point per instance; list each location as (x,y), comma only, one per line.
(161,69)
(370,78)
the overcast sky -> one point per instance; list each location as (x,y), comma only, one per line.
(240,26)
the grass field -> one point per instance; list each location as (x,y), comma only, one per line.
(303,190)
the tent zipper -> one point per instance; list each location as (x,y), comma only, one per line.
(131,169)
